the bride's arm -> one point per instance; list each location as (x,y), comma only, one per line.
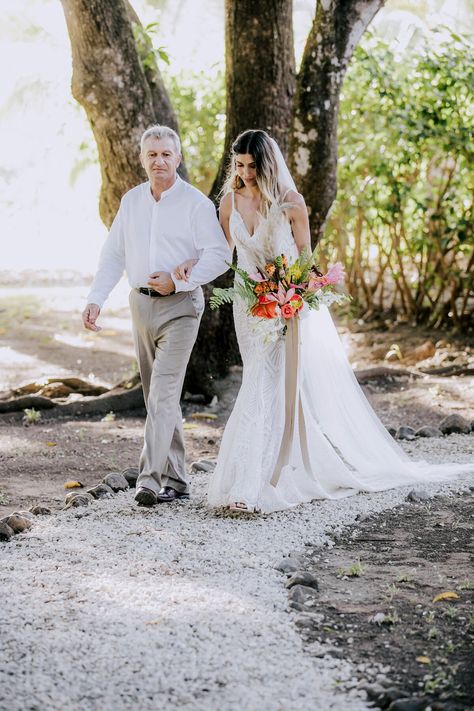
(298,216)
(225,209)
(184,270)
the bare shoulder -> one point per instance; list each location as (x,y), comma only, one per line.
(225,205)
(298,205)
(294,197)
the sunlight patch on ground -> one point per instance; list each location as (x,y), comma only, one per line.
(9,444)
(17,368)
(122,428)
(70,299)
(80,341)
(63,298)
(183,601)
(101,341)
(20,445)
(8,356)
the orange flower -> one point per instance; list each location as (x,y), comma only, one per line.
(260,288)
(270,269)
(284,261)
(265,308)
(272,286)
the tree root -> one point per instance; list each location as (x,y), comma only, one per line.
(382,371)
(118,399)
(37,402)
(449,370)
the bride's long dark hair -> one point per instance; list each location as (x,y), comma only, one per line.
(256,143)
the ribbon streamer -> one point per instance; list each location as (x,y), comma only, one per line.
(292,402)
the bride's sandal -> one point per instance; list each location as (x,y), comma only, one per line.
(240,507)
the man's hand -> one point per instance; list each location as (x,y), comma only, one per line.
(89,317)
(161,282)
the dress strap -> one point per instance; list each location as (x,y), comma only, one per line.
(233,199)
(286,193)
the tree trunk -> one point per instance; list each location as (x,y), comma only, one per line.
(116,80)
(260,72)
(260,79)
(336,30)
(120,94)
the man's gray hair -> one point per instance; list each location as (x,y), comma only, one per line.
(161,132)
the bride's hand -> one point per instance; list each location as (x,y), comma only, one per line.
(184,270)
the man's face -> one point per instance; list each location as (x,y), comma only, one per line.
(160,159)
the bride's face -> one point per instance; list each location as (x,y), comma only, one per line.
(245,166)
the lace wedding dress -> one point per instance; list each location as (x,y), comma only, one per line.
(349,449)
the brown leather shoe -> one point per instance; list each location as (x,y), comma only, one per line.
(145,497)
(167,493)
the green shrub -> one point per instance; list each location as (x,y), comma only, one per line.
(403,219)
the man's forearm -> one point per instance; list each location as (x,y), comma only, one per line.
(106,278)
(211,265)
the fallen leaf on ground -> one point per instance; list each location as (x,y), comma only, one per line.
(51,444)
(423,660)
(204,416)
(448,595)
(189,426)
(72,484)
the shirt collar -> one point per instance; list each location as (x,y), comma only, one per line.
(165,193)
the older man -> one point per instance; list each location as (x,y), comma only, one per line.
(160,224)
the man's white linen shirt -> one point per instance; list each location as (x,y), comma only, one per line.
(149,236)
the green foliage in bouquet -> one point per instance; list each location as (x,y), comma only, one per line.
(279,289)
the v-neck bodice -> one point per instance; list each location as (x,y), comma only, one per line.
(258,214)
(272,236)
(240,217)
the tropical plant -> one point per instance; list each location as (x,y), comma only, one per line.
(403,220)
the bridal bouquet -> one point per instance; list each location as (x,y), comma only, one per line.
(280,291)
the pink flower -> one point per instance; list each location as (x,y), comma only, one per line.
(287,311)
(316,283)
(284,296)
(335,275)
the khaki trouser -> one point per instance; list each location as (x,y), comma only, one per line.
(164,331)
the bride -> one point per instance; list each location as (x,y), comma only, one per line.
(338,446)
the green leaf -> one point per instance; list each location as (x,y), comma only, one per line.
(163,55)
(221,296)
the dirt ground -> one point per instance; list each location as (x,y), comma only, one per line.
(365,574)
(377,604)
(41,336)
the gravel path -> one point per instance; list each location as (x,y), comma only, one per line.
(118,607)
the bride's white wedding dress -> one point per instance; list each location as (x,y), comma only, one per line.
(349,448)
